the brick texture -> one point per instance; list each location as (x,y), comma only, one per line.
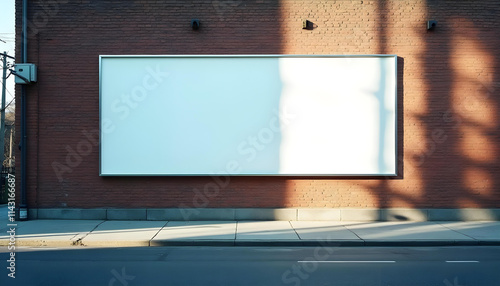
(449,85)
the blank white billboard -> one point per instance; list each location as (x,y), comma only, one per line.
(248,115)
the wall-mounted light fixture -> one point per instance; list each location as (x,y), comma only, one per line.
(195,24)
(431,24)
(307,25)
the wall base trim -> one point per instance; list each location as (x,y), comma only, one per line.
(230,214)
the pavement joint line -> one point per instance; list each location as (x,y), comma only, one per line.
(344,226)
(462,261)
(149,242)
(80,240)
(236,231)
(76,234)
(456,231)
(294,230)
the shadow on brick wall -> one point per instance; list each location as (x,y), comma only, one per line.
(457,163)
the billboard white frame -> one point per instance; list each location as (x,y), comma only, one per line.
(278,115)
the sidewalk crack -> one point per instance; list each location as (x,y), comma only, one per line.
(79,241)
(456,231)
(343,225)
(294,230)
(236,231)
(161,228)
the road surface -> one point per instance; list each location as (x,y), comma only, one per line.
(445,266)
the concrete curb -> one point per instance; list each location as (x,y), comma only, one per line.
(41,243)
(410,243)
(226,242)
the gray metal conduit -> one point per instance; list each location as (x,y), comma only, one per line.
(23,207)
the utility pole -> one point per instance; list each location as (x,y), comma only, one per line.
(2,115)
(10,147)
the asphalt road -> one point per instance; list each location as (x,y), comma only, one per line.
(446,266)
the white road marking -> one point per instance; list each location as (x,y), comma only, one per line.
(346,261)
(377,261)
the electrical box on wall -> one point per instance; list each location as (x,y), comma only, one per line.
(25,73)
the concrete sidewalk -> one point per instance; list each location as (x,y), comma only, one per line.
(110,233)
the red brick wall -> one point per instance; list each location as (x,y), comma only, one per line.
(449,84)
